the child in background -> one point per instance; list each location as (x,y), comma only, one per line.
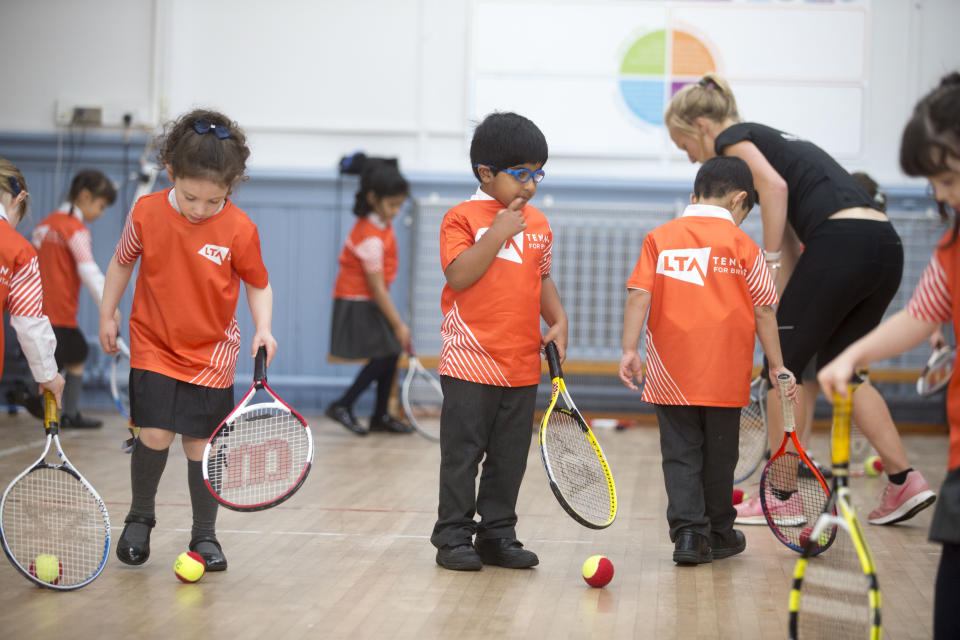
(708,291)
(930,148)
(66,259)
(20,291)
(495,251)
(195,247)
(366,323)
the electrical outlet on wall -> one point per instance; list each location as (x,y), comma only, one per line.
(95,114)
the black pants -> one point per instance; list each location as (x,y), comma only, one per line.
(478,419)
(846,277)
(700,447)
(946,603)
(383,371)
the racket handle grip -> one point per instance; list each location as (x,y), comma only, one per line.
(51,414)
(789,421)
(553,360)
(260,365)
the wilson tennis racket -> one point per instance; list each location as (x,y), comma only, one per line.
(261,453)
(793,492)
(836,595)
(422,398)
(754,445)
(53,525)
(936,374)
(576,468)
(120,390)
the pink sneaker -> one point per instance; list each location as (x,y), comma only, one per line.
(750,511)
(902,502)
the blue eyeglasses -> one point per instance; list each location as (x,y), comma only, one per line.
(521,175)
(205,126)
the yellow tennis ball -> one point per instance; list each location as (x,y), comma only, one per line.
(189,566)
(597,571)
(873,466)
(47,567)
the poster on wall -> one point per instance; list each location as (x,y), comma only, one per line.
(597,76)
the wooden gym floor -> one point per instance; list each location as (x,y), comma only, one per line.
(349,555)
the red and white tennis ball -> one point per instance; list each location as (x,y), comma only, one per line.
(873,466)
(189,566)
(597,571)
(739,495)
(47,567)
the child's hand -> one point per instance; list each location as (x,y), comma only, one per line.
(264,339)
(937,339)
(402,332)
(510,221)
(55,387)
(557,335)
(793,391)
(631,366)
(108,333)
(834,377)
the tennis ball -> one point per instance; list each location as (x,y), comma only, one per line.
(873,466)
(189,566)
(47,567)
(739,495)
(597,571)
(805,536)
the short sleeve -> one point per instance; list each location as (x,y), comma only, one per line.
(546,258)
(932,300)
(370,251)
(81,246)
(732,135)
(455,237)
(247,260)
(129,248)
(760,282)
(645,270)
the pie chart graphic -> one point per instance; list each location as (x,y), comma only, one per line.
(658,65)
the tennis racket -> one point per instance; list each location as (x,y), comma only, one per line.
(792,489)
(836,595)
(120,390)
(753,432)
(261,453)
(53,525)
(422,398)
(936,374)
(576,468)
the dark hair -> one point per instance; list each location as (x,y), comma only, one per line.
(504,140)
(872,188)
(204,144)
(96,183)
(721,175)
(932,136)
(383,178)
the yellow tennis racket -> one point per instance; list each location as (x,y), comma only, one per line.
(576,467)
(836,594)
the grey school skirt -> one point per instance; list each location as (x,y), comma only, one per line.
(360,331)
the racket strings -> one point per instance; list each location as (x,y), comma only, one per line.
(578,472)
(793,499)
(50,512)
(834,594)
(753,441)
(422,402)
(259,457)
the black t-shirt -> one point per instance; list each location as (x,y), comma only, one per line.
(817,186)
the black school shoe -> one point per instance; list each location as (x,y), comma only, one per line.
(506,552)
(343,415)
(390,424)
(461,557)
(214,559)
(131,550)
(729,544)
(691,548)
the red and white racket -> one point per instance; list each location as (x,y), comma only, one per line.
(261,453)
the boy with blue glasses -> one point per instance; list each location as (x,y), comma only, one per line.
(495,250)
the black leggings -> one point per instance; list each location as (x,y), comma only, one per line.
(946,603)
(846,277)
(383,371)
